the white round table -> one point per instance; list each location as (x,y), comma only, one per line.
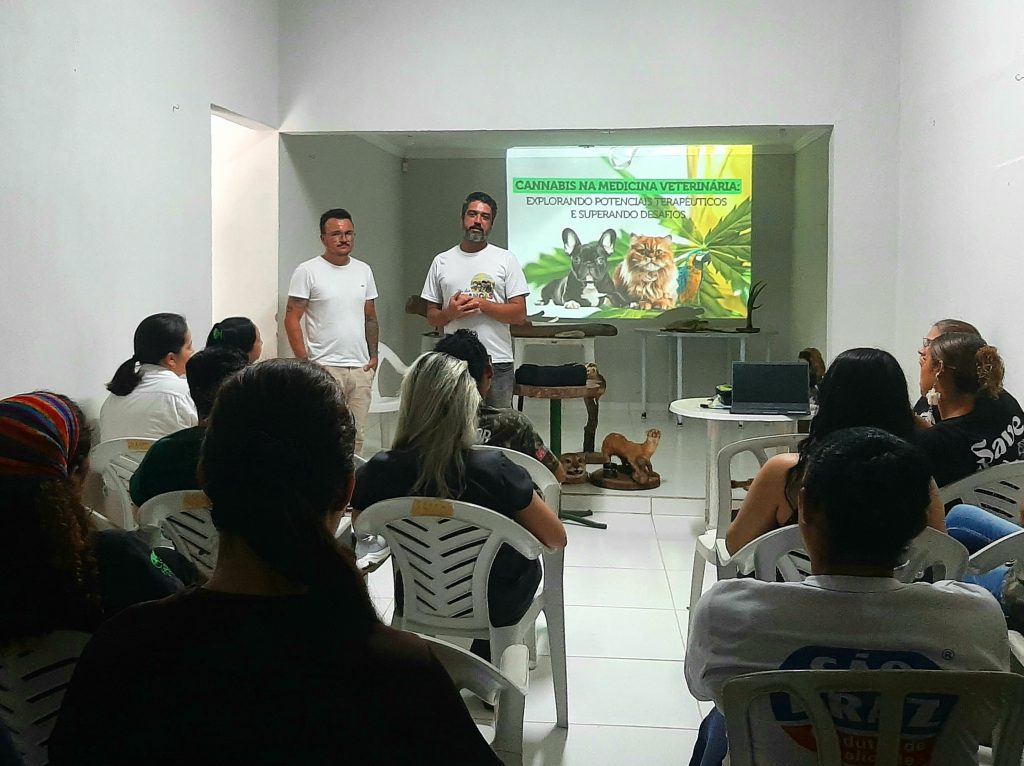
(691,408)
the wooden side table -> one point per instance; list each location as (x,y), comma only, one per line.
(555,394)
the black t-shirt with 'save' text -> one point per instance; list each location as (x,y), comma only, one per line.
(992,433)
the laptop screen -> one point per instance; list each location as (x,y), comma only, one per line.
(769,387)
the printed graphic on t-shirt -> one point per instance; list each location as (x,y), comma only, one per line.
(482,286)
(856,715)
(1005,446)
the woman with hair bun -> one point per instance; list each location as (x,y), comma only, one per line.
(280,657)
(978,427)
(237,332)
(148,396)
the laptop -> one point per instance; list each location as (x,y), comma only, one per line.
(770,388)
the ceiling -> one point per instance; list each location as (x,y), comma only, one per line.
(480,144)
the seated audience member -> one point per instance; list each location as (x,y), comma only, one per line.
(497,427)
(280,657)
(148,398)
(432,457)
(922,407)
(237,332)
(977,429)
(171,463)
(931,412)
(55,571)
(864,496)
(862,387)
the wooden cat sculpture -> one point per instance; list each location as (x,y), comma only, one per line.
(637,457)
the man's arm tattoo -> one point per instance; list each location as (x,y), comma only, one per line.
(372,335)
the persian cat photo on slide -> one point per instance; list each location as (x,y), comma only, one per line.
(647,275)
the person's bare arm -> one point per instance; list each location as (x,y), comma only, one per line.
(512,312)
(936,510)
(293,325)
(759,512)
(543,523)
(372,330)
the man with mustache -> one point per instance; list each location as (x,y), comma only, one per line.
(479,286)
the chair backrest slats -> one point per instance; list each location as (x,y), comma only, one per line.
(184,517)
(445,560)
(998,490)
(32,685)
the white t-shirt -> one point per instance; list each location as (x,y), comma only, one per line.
(837,623)
(494,274)
(158,406)
(337,295)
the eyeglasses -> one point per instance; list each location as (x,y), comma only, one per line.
(926,342)
(343,235)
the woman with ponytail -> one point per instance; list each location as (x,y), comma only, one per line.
(280,657)
(148,395)
(978,428)
(237,332)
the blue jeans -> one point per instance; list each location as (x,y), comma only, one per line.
(974,529)
(712,742)
(504,379)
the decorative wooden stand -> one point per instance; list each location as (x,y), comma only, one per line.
(555,394)
(622,480)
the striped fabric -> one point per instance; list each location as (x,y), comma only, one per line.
(38,434)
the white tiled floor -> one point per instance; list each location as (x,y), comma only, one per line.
(626,592)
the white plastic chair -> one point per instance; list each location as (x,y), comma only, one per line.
(504,687)
(988,702)
(930,549)
(32,683)
(998,490)
(551,490)
(444,550)
(115,461)
(997,553)
(382,405)
(184,517)
(710,546)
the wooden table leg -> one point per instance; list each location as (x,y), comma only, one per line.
(556,426)
(590,429)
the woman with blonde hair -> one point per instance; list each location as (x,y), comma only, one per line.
(978,429)
(431,457)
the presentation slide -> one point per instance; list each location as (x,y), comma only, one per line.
(628,232)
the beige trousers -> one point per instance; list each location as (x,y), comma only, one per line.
(356,384)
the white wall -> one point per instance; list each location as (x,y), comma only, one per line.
(245,202)
(105,190)
(323,172)
(542,65)
(961,143)
(809,305)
